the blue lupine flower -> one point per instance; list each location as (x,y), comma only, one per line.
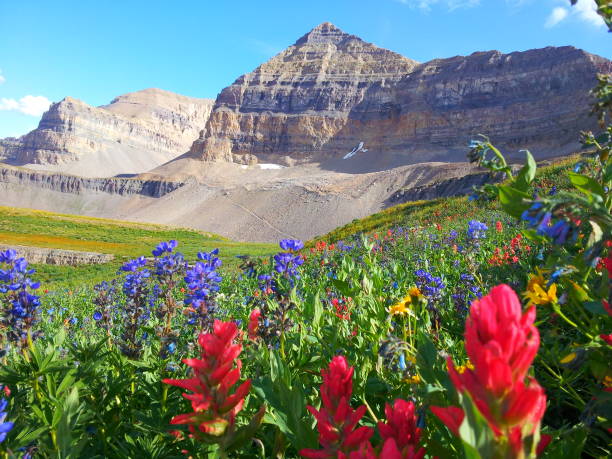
(171,347)
(97,316)
(203,281)
(5,427)
(291,244)
(430,285)
(544,223)
(477,230)
(578,167)
(287,264)
(22,312)
(134,265)
(164,247)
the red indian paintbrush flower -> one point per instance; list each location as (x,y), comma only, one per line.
(254,323)
(501,342)
(400,434)
(336,420)
(214,375)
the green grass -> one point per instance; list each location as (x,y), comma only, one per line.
(125,240)
(442,210)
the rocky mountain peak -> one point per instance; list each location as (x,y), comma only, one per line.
(325,33)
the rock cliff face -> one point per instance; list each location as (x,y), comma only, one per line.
(72,184)
(297,102)
(58,256)
(320,97)
(134,133)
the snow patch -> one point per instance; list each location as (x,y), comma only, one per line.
(271,166)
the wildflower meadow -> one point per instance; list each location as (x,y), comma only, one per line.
(482,332)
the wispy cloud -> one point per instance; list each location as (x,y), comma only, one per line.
(451,5)
(2,79)
(557,15)
(583,10)
(28,105)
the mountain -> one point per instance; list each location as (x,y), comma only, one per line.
(134,133)
(402,126)
(329,91)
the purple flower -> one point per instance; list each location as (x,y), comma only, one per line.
(164,247)
(5,427)
(477,230)
(292,245)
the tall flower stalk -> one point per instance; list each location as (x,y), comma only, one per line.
(215,402)
(337,421)
(501,342)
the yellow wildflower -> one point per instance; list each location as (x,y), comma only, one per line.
(414,291)
(468,365)
(607,381)
(401,308)
(413,379)
(536,290)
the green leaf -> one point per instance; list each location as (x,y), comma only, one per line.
(245,433)
(343,287)
(595,307)
(586,184)
(526,174)
(512,200)
(475,431)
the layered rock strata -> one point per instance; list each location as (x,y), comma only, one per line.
(134,133)
(72,184)
(58,256)
(331,90)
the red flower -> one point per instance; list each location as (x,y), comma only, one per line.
(607,338)
(214,375)
(400,434)
(608,264)
(254,323)
(501,342)
(607,307)
(336,420)
(498,226)
(451,416)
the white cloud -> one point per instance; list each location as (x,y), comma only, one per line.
(28,105)
(557,15)
(587,11)
(450,4)
(583,10)
(2,79)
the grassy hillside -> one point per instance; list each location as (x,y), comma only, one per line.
(125,240)
(128,240)
(444,210)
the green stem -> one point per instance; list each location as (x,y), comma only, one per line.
(365,402)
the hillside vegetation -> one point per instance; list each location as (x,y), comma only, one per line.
(123,239)
(441,211)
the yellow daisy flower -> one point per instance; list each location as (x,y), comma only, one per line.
(414,291)
(401,308)
(536,291)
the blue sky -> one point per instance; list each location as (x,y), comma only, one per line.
(95,51)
